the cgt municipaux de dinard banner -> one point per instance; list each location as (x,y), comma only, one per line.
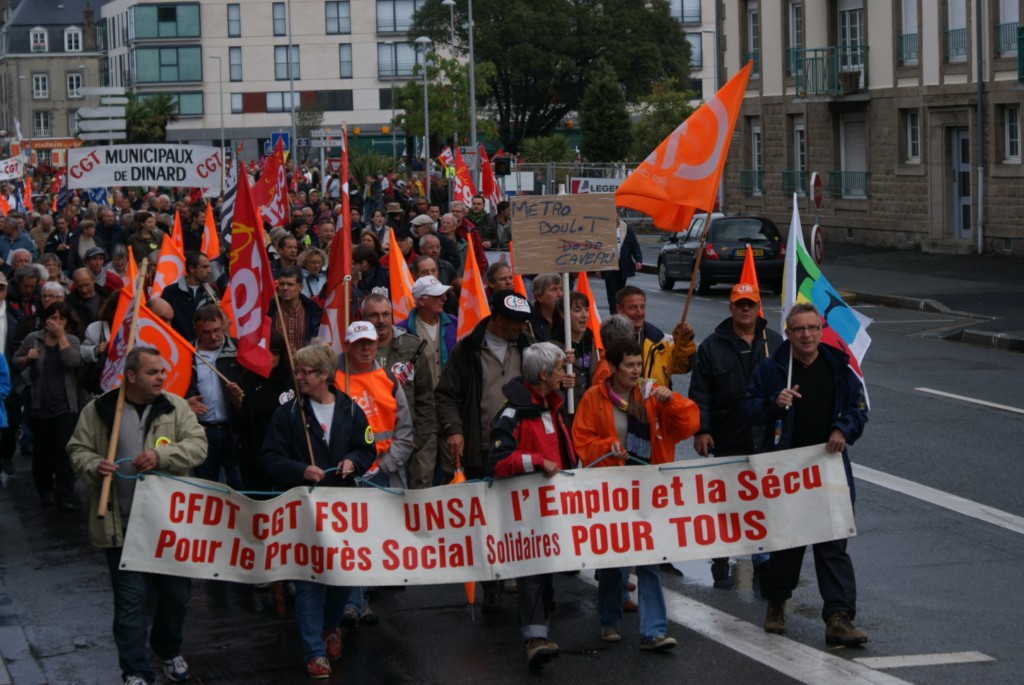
(587,518)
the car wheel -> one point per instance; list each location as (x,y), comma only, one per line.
(664,282)
(777,287)
(700,284)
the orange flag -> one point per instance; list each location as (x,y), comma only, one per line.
(518,284)
(176,234)
(460,477)
(170,266)
(473,307)
(225,305)
(749,276)
(211,242)
(681,176)
(5,206)
(401,281)
(27,199)
(131,274)
(594,319)
(175,352)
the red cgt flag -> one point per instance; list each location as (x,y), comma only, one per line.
(271,192)
(489,182)
(464,188)
(681,176)
(252,287)
(339,265)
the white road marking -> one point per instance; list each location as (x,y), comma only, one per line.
(940,498)
(884,662)
(972,400)
(799,662)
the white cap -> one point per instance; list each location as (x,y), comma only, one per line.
(360,330)
(428,285)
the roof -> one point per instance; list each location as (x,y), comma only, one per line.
(53,15)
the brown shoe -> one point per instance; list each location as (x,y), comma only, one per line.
(839,630)
(775,617)
(539,651)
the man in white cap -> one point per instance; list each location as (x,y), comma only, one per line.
(429,322)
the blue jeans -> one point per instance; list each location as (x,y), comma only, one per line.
(318,609)
(220,454)
(131,619)
(536,602)
(653,615)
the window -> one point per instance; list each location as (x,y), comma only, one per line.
(235,64)
(913,119)
(908,39)
(345,60)
(1011,133)
(334,100)
(685,11)
(753,38)
(73,122)
(852,179)
(166,21)
(40,86)
(339,17)
(74,85)
(279,102)
(234,21)
(1006,29)
(384,96)
(189,104)
(396,59)
(41,125)
(756,161)
(956,33)
(851,35)
(73,40)
(796,37)
(395,16)
(39,40)
(236,103)
(280,24)
(281,62)
(696,58)
(164,65)
(799,144)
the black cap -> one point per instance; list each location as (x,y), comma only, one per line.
(511,305)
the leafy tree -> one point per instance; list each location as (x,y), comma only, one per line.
(554,148)
(146,117)
(308,116)
(363,163)
(604,118)
(448,101)
(541,51)
(659,114)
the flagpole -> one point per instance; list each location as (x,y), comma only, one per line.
(211,367)
(291,363)
(696,266)
(347,290)
(115,430)
(570,396)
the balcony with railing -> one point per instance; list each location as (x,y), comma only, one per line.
(751,181)
(956,45)
(1006,39)
(829,71)
(754,56)
(908,48)
(848,184)
(794,181)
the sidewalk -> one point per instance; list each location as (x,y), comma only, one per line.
(989,289)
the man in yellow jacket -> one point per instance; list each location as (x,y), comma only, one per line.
(663,355)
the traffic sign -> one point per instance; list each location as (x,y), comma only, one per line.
(325,142)
(111,100)
(101,90)
(101,125)
(267,150)
(816,189)
(817,244)
(109,135)
(325,133)
(101,112)
(302,142)
(283,137)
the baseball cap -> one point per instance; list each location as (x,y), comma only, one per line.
(3,279)
(744,291)
(93,251)
(511,305)
(428,285)
(360,330)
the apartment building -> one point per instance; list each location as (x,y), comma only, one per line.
(910,110)
(242,59)
(48,52)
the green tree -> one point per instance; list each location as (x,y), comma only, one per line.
(448,101)
(363,163)
(308,116)
(146,117)
(541,51)
(659,114)
(604,119)
(554,149)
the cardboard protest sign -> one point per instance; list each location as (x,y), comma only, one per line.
(190,166)
(564,233)
(592,518)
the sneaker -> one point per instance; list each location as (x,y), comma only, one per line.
(176,669)
(839,630)
(720,574)
(658,643)
(492,602)
(610,634)
(366,615)
(629,606)
(135,680)
(775,617)
(318,667)
(332,643)
(539,651)
(350,617)
(670,569)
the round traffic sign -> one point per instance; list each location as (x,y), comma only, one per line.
(817,244)
(816,189)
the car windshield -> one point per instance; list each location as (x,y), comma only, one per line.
(743,231)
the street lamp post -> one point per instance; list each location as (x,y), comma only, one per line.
(423,42)
(450,4)
(472,97)
(394,68)
(220,100)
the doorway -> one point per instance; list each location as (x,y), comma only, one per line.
(960,147)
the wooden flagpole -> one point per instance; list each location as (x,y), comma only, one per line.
(115,430)
(291,362)
(696,266)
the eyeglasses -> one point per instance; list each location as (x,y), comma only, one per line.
(799,330)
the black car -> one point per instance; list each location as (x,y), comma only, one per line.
(724,253)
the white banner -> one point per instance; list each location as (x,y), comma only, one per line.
(190,166)
(593,518)
(11,169)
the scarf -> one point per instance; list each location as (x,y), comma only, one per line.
(638,428)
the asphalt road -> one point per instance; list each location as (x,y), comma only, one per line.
(938,576)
